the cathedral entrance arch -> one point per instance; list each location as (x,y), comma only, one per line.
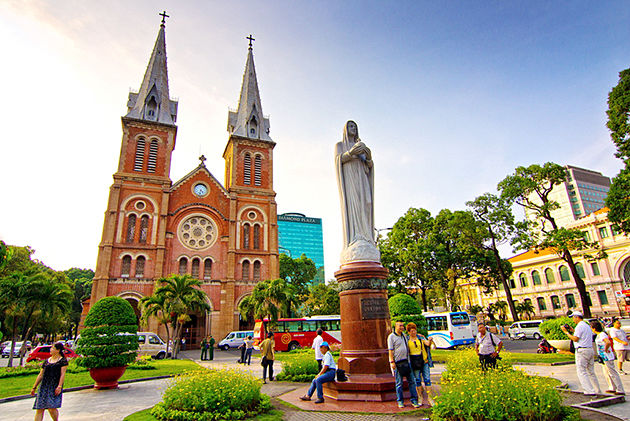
(133,298)
(198,327)
(244,323)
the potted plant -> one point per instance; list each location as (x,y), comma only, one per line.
(550,329)
(109,341)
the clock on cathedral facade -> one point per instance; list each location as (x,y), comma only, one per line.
(226,234)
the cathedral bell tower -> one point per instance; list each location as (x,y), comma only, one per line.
(132,244)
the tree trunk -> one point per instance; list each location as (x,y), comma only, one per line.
(424,299)
(579,283)
(506,286)
(13,331)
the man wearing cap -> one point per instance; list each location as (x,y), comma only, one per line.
(582,339)
(327,374)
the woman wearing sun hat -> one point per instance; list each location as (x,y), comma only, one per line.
(327,374)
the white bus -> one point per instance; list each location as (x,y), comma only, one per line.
(450,329)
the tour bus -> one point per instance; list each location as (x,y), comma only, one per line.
(450,329)
(290,334)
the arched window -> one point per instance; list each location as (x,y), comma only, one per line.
(258,170)
(580,270)
(207,269)
(256,270)
(246,236)
(131,228)
(144,229)
(536,278)
(247,169)
(153,151)
(151,108)
(256,237)
(139,160)
(126,266)
(245,270)
(523,278)
(549,276)
(183,266)
(564,274)
(626,274)
(511,283)
(140,263)
(195,268)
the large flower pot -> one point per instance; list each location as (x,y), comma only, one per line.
(107,377)
(561,344)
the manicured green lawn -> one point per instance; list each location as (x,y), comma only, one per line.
(21,385)
(145,415)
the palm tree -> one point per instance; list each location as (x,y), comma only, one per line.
(525,308)
(156,305)
(271,299)
(181,296)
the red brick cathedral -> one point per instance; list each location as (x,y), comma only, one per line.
(223,234)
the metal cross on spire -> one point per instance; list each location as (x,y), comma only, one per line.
(250,38)
(202,159)
(164,16)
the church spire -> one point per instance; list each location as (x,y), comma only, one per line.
(152,101)
(248,120)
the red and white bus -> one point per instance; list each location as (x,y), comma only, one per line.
(290,334)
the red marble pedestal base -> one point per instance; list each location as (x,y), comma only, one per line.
(365,326)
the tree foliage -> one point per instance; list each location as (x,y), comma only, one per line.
(323,299)
(618,200)
(270,299)
(299,273)
(618,114)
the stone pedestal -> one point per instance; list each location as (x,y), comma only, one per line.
(365,326)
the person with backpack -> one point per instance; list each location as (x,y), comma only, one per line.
(487,346)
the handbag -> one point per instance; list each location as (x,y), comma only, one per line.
(416,362)
(341,375)
(403,367)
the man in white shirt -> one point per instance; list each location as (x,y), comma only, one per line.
(317,342)
(582,339)
(325,375)
(621,344)
(487,346)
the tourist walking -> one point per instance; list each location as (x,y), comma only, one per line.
(211,348)
(582,339)
(51,377)
(325,375)
(204,349)
(607,358)
(487,346)
(398,347)
(267,354)
(621,345)
(249,348)
(421,361)
(317,342)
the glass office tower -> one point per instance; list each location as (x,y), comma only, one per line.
(299,234)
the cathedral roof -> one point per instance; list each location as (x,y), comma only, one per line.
(200,168)
(152,101)
(248,120)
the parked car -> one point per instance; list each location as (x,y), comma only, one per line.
(151,344)
(6,352)
(529,328)
(4,345)
(42,352)
(235,339)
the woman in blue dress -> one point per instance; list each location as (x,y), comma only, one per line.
(51,377)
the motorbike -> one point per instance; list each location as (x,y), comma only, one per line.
(519,336)
(545,347)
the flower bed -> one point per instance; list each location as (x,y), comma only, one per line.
(210,395)
(467,393)
(299,367)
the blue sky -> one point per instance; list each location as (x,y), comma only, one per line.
(451,97)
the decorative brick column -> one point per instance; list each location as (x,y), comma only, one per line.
(365,325)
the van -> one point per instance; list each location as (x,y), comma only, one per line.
(235,339)
(151,344)
(527,327)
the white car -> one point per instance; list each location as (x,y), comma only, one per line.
(235,339)
(151,344)
(527,327)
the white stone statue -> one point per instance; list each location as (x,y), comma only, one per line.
(355,179)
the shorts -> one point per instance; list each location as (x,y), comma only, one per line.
(623,354)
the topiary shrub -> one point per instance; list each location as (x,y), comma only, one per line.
(109,338)
(403,308)
(550,329)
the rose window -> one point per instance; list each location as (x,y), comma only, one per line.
(197,232)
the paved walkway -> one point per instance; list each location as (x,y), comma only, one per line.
(114,405)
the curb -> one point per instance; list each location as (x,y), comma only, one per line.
(89,386)
(548,364)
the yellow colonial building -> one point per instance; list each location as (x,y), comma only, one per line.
(544,279)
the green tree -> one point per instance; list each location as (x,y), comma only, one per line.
(183,296)
(475,309)
(299,273)
(496,226)
(618,200)
(156,305)
(404,308)
(618,113)
(81,282)
(530,187)
(323,299)
(270,299)
(525,309)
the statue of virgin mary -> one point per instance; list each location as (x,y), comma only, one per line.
(355,179)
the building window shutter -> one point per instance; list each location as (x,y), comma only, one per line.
(131,228)
(256,237)
(195,268)
(139,161)
(153,151)
(140,263)
(207,269)
(247,169)
(144,229)
(256,271)
(258,170)
(183,266)
(246,236)
(245,270)
(126,266)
